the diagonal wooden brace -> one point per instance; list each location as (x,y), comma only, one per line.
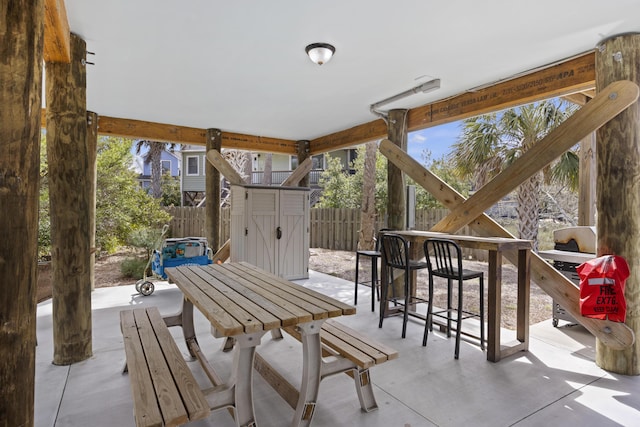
(606,105)
(614,335)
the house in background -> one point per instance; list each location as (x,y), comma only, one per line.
(170,162)
(194,161)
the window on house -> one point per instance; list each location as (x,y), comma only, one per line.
(193,165)
(165,166)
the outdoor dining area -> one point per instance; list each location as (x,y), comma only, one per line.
(555,379)
(253,337)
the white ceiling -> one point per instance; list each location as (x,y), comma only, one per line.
(241,66)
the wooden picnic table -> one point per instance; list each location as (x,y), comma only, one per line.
(495,246)
(243,302)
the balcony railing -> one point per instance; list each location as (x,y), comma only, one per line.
(278,177)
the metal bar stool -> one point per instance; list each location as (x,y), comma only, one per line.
(374,255)
(442,265)
(395,255)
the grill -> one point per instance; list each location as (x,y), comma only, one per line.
(572,247)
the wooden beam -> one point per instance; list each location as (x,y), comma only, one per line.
(139,129)
(258,143)
(618,190)
(571,76)
(613,334)
(56,32)
(574,75)
(212,192)
(300,172)
(221,164)
(70,185)
(347,138)
(20,98)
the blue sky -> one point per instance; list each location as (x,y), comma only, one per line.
(437,139)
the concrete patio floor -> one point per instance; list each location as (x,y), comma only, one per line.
(555,383)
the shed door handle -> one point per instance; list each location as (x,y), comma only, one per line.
(279,233)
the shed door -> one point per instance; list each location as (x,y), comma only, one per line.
(260,245)
(293,246)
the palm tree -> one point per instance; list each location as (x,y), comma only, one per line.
(490,142)
(154,157)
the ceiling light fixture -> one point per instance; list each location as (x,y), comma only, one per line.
(320,53)
(424,87)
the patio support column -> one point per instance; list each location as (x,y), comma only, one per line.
(587,181)
(212,192)
(618,190)
(303,153)
(396,204)
(92,151)
(70,198)
(21,46)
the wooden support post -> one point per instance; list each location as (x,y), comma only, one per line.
(70,182)
(92,151)
(618,190)
(396,204)
(20,100)
(212,192)
(587,181)
(303,154)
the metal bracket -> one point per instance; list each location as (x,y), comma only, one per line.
(307,412)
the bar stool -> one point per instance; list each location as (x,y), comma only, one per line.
(441,251)
(374,255)
(395,255)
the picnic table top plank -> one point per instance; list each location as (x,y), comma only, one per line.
(334,307)
(216,313)
(245,299)
(288,313)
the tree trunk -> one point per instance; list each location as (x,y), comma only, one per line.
(618,190)
(212,192)
(155,159)
(21,44)
(396,209)
(268,166)
(70,182)
(368,215)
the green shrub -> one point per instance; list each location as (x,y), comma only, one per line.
(133,267)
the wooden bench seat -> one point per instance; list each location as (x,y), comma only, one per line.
(163,388)
(344,350)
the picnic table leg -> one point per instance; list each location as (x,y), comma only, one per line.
(237,392)
(311,366)
(184,319)
(242,376)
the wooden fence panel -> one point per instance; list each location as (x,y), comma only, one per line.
(335,229)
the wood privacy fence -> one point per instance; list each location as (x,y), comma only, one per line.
(330,228)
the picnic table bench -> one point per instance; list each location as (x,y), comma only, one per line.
(164,390)
(346,350)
